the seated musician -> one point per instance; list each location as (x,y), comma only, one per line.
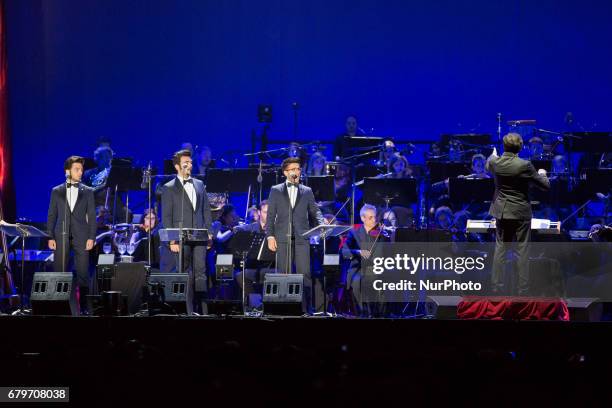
(317,165)
(205,161)
(443,218)
(252,215)
(342,187)
(455,151)
(255,271)
(400,168)
(359,247)
(434,153)
(536,148)
(478,168)
(398,217)
(97,177)
(223,229)
(140,238)
(351,129)
(386,154)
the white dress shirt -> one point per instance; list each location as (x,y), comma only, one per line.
(72,194)
(190,190)
(293,191)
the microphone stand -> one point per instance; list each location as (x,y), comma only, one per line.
(289,235)
(148,180)
(499,119)
(181,223)
(67,199)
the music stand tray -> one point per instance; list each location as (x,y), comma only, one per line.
(379,192)
(231,180)
(247,242)
(245,245)
(23,231)
(322,187)
(465,190)
(330,230)
(189,235)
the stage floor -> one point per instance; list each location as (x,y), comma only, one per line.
(169,359)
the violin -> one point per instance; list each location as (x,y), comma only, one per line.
(381,230)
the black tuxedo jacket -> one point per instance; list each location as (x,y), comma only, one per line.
(174,196)
(306,213)
(81,222)
(513,176)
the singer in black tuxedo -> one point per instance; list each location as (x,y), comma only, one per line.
(71,224)
(512,209)
(297,200)
(184,201)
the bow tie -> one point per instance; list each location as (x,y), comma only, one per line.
(187,181)
(75,185)
(292,184)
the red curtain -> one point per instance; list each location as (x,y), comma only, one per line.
(509,308)
(7,191)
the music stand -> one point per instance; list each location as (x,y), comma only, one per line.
(439,171)
(322,187)
(390,192)
(597,181)
(589,142)
(325,231)
(542,164)
(184,236)
(468,139)
(230,180)
(407,234)
(168,167)
(352,144)
(120,178)
(466,190)
(246,245)
(22,231)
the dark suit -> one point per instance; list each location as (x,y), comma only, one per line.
(174,197)
(80,227)
(512,211)
(305,215)
(356,240)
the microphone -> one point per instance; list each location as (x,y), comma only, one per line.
(67,174)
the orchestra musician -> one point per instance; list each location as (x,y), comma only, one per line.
(359,248)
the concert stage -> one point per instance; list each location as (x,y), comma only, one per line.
(294,361)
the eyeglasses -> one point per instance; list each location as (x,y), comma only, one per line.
(294,169)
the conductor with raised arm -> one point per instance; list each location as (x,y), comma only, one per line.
(292,210)
(185,205)
(71,224)
(512,209)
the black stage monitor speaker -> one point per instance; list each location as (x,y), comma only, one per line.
(442,307)
(176,291)
(282,294)
(584,309)
(52,294)
(130,279)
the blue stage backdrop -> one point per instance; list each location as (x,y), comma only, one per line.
(151,74)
